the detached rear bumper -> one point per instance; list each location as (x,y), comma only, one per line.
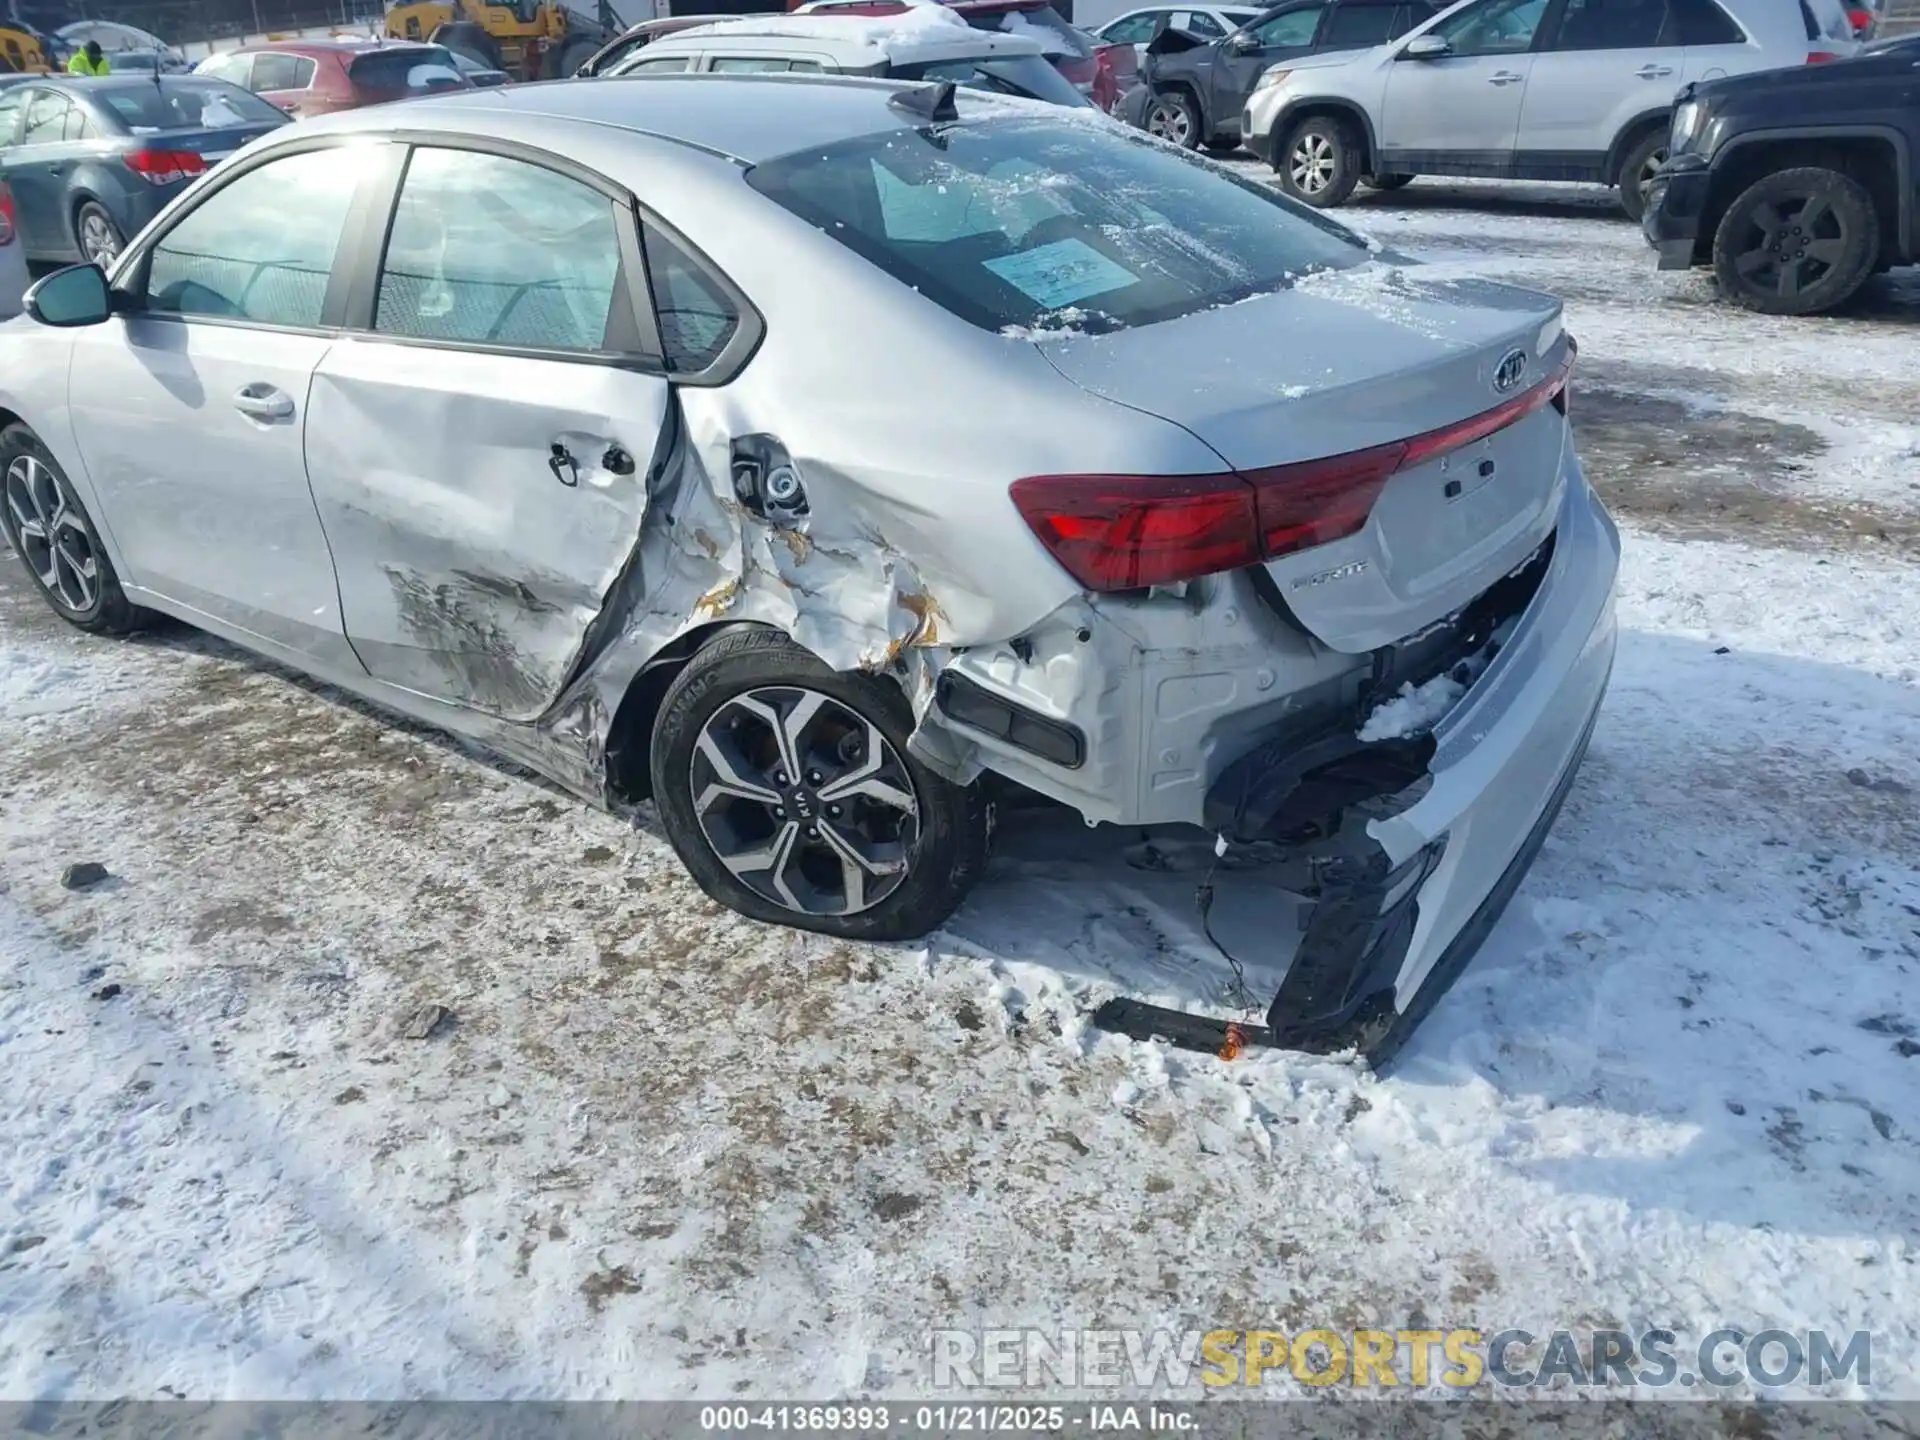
(1676,203)
(1408,901)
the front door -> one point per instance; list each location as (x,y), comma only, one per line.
(190,410)
(1241,58)
(35,168)
(1463,108)
(480,458)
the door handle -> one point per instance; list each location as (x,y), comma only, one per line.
(564,467)
(1504,77)
(1654,72)
(263,402)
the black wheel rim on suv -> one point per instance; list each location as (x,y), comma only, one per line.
(1169,119)
(1790,244)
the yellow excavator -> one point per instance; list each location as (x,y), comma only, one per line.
(22,51)
(529,39)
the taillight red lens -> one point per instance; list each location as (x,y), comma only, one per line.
(7,217)
(163,167)
(1820,57)
(1125,532)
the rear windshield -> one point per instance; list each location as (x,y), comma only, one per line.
(426,67)
(1033,222)
(1044,25)
(185,102)
(1027,75)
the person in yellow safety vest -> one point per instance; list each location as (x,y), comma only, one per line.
(90,61)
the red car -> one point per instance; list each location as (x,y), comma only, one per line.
(1103,73)
(313,77)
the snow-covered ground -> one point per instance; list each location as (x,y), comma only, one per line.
(661,1151)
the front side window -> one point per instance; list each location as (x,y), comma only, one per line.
(231,68)
(1198,22)
(1700,22)
(260,248)
(1611,24)
(1289,29)
(748,65)
(1499,27)
(185,102)
(488,250)
(1013,222)
(1352,26)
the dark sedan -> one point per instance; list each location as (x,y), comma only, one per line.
(90,161)
(1194,91)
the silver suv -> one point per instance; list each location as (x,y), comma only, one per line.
(1523,90)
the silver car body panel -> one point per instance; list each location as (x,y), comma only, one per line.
(483,596)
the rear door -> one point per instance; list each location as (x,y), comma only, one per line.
(1463,109)
(189,407)
(479,451)
(1608,63)
(35,168)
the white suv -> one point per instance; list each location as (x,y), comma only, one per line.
(1521,89)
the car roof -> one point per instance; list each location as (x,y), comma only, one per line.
(853,40)
(746,118)
(341,46)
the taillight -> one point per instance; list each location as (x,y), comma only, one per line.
(1820,57)
(1081,70)
(163,167)
(7,217)
(1125,532)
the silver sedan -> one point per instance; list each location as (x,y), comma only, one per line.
(814,457)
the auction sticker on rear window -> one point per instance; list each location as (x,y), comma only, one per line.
(1060,273)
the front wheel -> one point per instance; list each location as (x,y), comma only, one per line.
(1319,162)
(1637,169)
(787,791)
(1797,242)
(1173,117)
(98,238)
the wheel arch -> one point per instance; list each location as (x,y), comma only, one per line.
(1308,107)
(629,775)
(1745,157)
(1632,133)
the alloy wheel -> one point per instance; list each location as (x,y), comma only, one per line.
(1169,120)
(53,537)
(1792,245)
(804,800)
(98,240)
(1649,170)
(1312,164)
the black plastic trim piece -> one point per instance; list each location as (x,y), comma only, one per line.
(978,708)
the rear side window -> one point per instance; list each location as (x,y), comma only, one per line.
(1134,30)
(282,72)
(696,318)
(1201,24)
(1611,24)
(1701,22)
(261,248)
(232,68)
(748,65)
(1019,222)
(488,250)
(12,104)
(658,65)
(1352,26)
(185,103)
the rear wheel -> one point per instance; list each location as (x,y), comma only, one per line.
(1319,162)
(577,53)
(787,790)
(1386,182)
(1797,242)
(52,534)
(98,238)
(1637,168)
(1221,145)
(1174,117)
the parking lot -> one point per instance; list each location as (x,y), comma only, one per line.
(657,1149)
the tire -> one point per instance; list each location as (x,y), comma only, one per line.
(470,40)
(1173,117)
(734,696)
(1220,145)
(1319,161)
(577,53)
(71,569)
(1797,242)
(99,240)
(1643,157)
(1386,182)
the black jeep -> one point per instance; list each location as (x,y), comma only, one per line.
(1795,185)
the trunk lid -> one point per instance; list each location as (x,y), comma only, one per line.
(1345,361)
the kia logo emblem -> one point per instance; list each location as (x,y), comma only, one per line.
(1511,370)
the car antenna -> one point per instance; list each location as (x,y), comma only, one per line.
(935,102)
